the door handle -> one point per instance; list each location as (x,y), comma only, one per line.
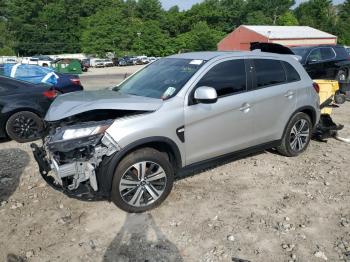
(245,108)
(289,94)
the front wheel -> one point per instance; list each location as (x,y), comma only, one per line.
(142,180)
(297,135)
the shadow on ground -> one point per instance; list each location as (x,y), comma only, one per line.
(140,239)
(13,162)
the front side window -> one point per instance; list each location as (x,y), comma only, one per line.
(315,55)
(268,72)
(227,78)
(162,79)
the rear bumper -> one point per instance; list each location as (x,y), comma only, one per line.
(83,192)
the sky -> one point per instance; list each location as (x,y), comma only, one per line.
(186,4)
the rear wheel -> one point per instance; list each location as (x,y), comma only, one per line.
(297,135)
(24,126)
(142,180)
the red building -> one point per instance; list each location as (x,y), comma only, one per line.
(241,38)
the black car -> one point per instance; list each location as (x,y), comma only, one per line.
(22,107)
(325,62)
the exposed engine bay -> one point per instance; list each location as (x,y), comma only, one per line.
(74,147)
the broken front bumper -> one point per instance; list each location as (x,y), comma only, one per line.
(82,192)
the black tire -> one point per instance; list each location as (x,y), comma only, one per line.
(339,99)
(148,155)
(24,126)
(286,147)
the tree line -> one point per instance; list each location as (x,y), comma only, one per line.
(144,27)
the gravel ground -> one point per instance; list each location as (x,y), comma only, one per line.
(263,207)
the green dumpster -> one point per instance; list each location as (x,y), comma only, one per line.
(67,66)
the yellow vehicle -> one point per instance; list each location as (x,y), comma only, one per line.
(329,98)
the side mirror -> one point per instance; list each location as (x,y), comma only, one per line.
(205,95)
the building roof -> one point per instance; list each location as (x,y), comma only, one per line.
(288,32)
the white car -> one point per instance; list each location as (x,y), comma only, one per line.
(38,60)
(108,63)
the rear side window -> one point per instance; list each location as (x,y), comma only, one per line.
(292,74)
(327,53)
(227,78)
(268,72)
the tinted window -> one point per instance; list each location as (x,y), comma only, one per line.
(292,74)
(327,53)
(315,55)
(227,78)
(269,72)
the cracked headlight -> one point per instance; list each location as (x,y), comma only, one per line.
(72,133)
(76,136)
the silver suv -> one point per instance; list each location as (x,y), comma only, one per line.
(128,143)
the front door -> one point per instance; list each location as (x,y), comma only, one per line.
(215,129)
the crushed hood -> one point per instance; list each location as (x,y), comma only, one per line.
(79,102)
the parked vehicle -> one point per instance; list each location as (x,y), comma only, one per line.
(126,61)
(325,62)
(152,59)
(8,60)
(44,60)
(128,144)
(97,63)
(85,64)
(63,83)
(22,107)
(30,61)
(108,63)
(142,60)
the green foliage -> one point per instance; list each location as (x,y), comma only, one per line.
(258,18)
(201,37)
(288,19)
(6,44)
(143,27)
(317,13)
(343,27)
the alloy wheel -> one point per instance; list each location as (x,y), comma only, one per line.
(142,184)
(25,127)
(299,135)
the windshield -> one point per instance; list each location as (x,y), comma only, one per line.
(300,51)
(162,79)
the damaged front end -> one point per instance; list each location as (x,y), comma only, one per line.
(74,153)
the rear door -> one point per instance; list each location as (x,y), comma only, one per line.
(274,98)
(225,126)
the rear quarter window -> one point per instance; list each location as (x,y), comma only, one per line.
(291,73)
(268,72)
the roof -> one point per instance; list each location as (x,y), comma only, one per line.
(288,32)
(224,54)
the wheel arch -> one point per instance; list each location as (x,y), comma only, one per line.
(309,110)
(106,170)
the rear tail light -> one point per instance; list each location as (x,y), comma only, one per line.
(51,94)
(76,81)
(316,87)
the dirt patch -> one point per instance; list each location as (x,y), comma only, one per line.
(263,207)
